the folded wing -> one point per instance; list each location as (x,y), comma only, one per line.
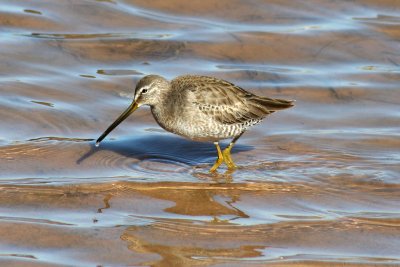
(228,103)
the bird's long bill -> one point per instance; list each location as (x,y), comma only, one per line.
(122,117)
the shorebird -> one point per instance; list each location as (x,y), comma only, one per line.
(201,108)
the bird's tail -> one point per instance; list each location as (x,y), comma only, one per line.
(272,104)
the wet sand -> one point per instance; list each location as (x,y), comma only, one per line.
(318,184)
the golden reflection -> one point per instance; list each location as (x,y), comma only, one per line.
(191,242)
(199,202)
(183,244)
(202,226)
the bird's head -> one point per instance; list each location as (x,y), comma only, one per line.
(149,91)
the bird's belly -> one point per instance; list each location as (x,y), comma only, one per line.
(203,130)
(198,127)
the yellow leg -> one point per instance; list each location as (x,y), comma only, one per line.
(219,160)
(226,154)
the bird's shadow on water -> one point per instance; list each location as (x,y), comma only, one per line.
(163,148)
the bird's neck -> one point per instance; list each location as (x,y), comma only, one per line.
(161,116)
(165,110)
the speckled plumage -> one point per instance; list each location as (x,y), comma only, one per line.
(201,108)
(209,109)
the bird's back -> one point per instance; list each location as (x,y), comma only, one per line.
(224,101)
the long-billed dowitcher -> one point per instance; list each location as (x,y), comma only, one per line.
(201,108)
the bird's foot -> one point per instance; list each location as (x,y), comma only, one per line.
(219,160)
(217,163)
(227,157)
(224,156)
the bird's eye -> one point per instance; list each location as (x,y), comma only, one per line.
(144,91)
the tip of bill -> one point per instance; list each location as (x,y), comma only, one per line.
(97,144)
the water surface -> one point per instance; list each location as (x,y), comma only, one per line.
(318,184)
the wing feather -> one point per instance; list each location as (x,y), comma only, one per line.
(226,102)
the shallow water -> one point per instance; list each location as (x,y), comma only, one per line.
(318,184)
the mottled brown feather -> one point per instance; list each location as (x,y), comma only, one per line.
(226,102)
